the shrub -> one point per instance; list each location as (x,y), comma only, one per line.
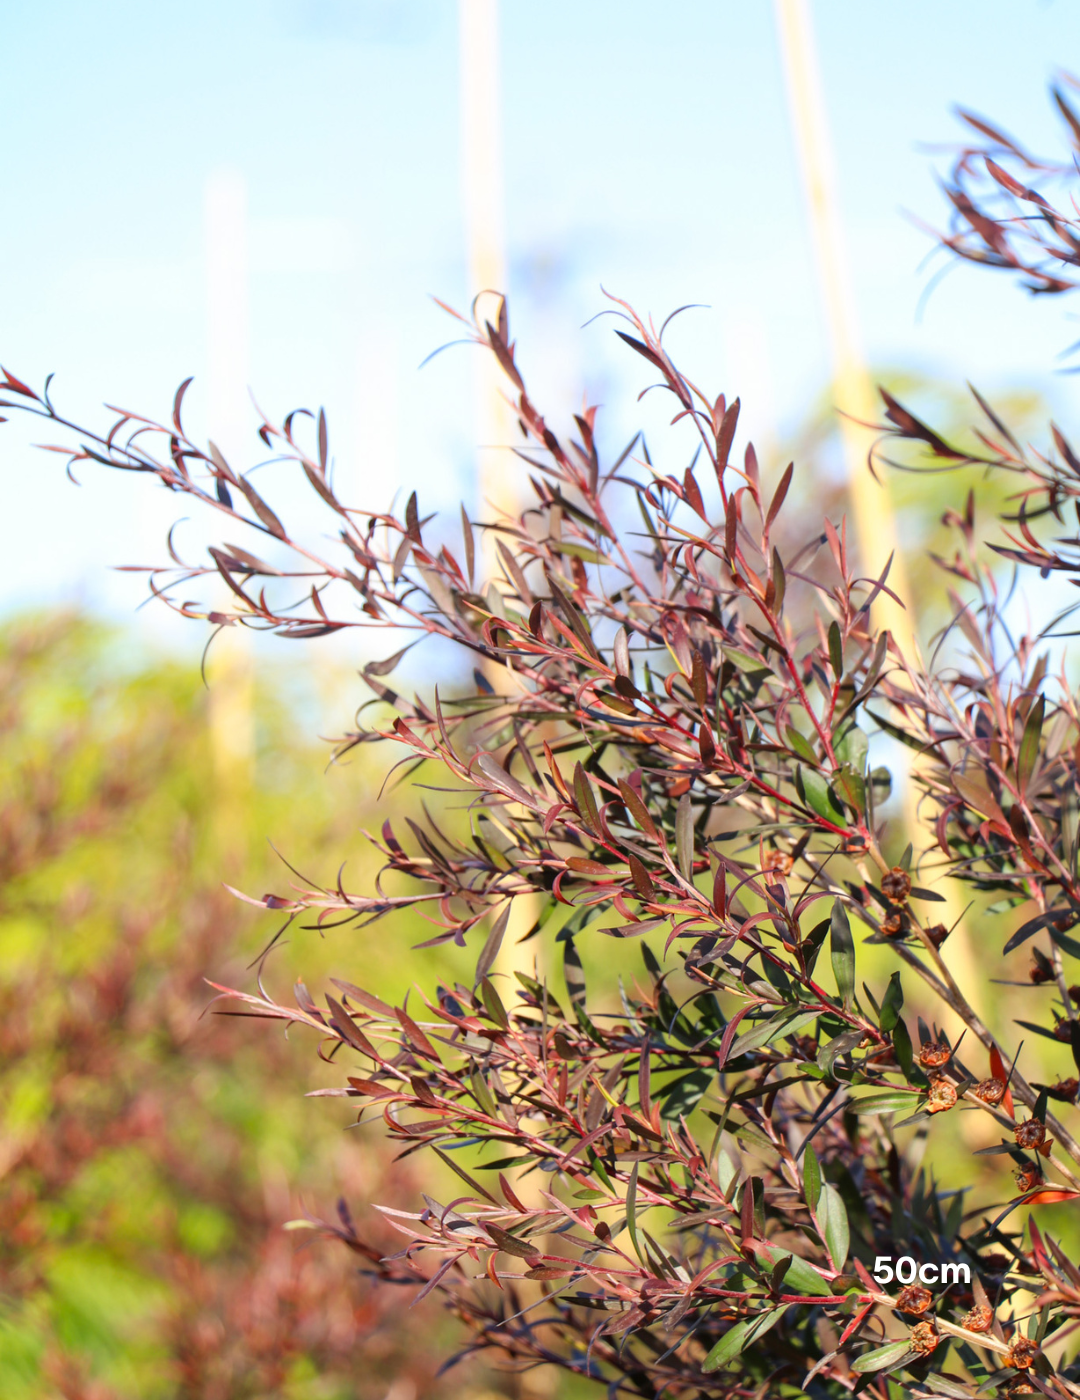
(684,1184)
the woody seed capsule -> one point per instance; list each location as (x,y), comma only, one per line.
(942,1096)
(1021,1354)
(924,1338)
(893,925)
(1027,1178)
(914,1299)
(937,934)
(896,885)
(778,861)
(934,1055)
(979,1319)
(1030,1134)
(991,1091)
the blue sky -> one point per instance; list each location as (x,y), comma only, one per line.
(647,148)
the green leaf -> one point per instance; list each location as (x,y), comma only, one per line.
(681,1096)
(743,661)
(852,747)
(784,1021)
(494,1004)
(883,1357)
(891,1003)
(584,798)
(737,1338)
(482,1094)
(851,787)
(801,1277)
(891,1101)
(842,952)
(813,943)
(726,1171)
(1064,942)
(839,1045)
(755,1186)
(819,797)
(836,650)
(1029,744)
(799,744)
(779,582)
(490,951)
(684,836)
(901,1039)
(575,985)
(833,1225)
(631,1212)
(811,1175)
(943,1386)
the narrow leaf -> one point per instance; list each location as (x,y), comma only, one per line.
(842,953)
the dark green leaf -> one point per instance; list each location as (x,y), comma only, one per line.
(779,582)
(494,942)
(839,1045)
(799,744)
(842,952)
(819,797)
(901,1040)
(1029,744)
(891,1004)
(575,984)
(833,1224)
(681,1096)
(734,1341)
(494,1004)
(583,796)
(1025,931)
(631,1211)
(801,1277)
(836,650)
(811,1178)
(784,1021)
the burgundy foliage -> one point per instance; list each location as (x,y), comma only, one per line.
(676,681)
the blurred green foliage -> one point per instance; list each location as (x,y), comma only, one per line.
(150,1153)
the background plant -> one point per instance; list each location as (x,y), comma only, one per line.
(667,740)
(149,1155)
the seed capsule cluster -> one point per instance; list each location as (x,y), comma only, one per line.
(896,886)
(979,1319)
(914,1299)
(924,1338)
(1021,1354)
(1030,1134)
(942,1095)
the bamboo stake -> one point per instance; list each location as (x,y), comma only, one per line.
(854,396)
(482,200)
(230,665)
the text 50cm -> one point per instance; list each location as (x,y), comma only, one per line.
(907,1270)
